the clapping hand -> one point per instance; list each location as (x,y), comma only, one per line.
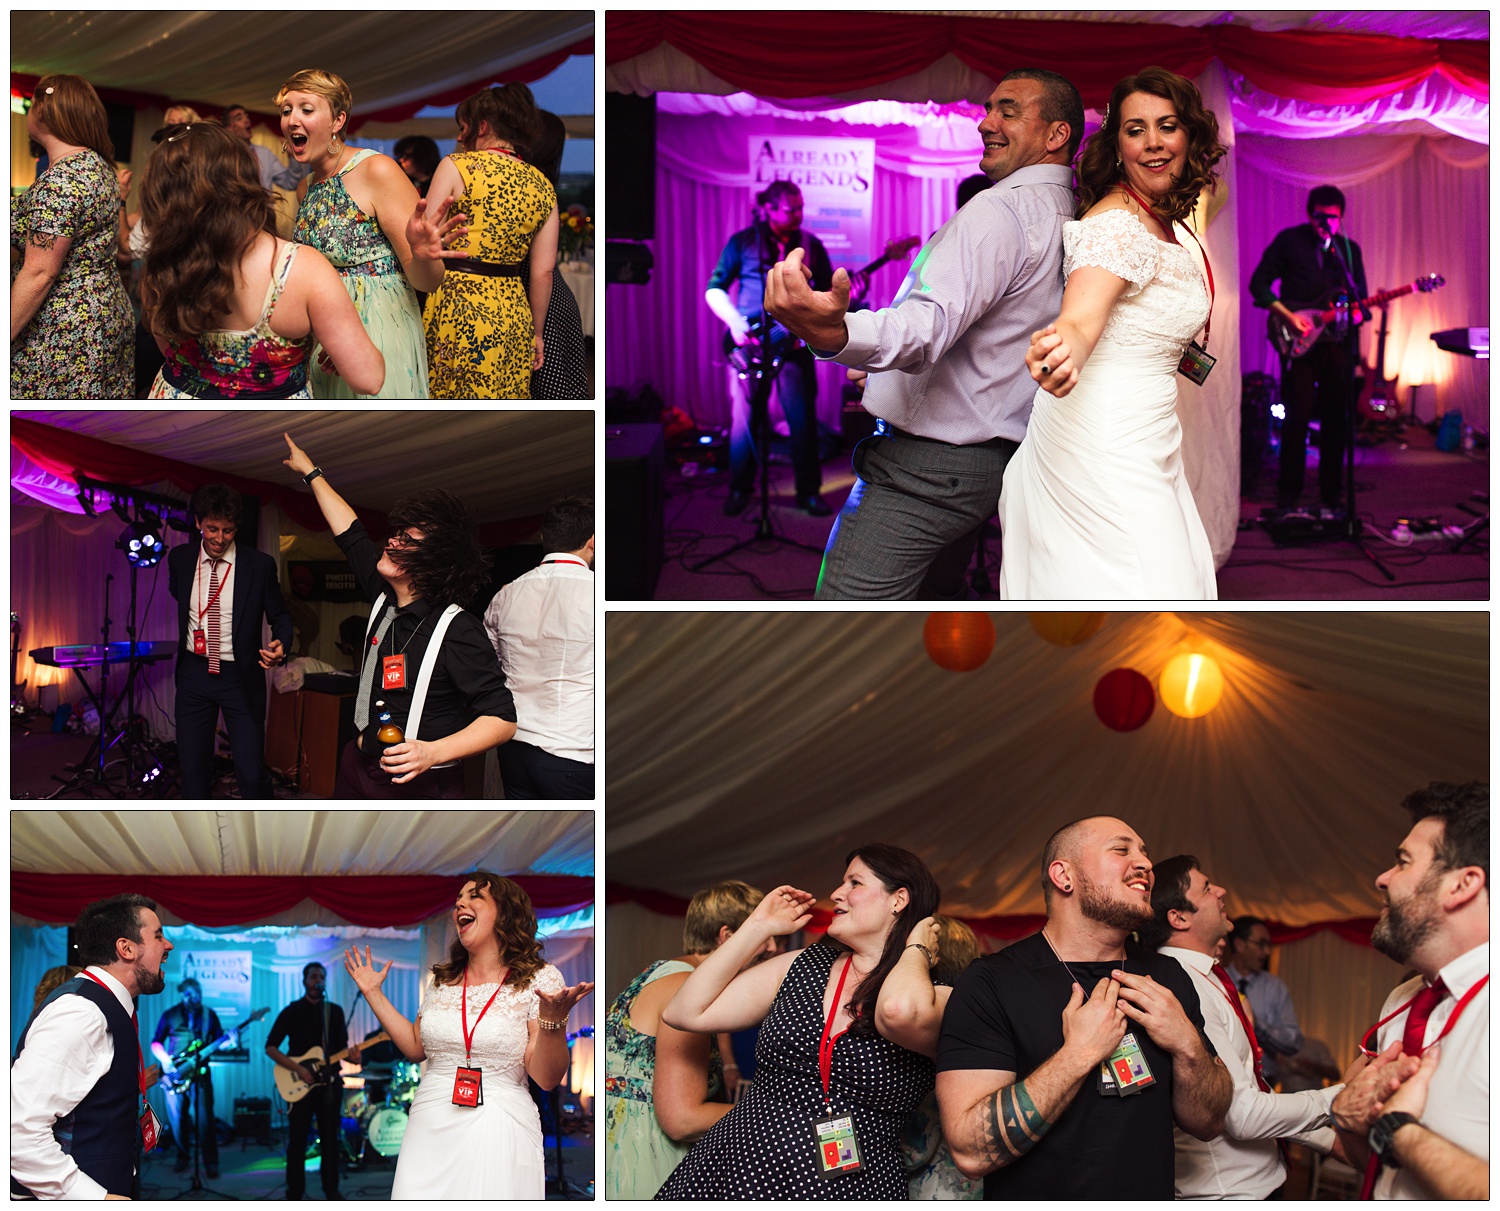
(430,235)
(555,1006)
(784,911)
(362,971)
(1050,361)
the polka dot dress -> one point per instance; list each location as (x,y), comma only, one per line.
(765,1146)
(564,372)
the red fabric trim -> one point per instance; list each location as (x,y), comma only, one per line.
(787,54)
(67,454)
(1010,927)
(374,901)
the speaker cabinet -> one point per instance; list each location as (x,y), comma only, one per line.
(634,541)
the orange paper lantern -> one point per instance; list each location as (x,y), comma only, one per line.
(959,642)
(1064,629)
(1124,699)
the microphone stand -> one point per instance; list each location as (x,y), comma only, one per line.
(761,376)
(195,1090)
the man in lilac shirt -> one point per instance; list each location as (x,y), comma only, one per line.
(949,382)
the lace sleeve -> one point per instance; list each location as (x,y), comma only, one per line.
(427,987)
(1113,240)
(548,980)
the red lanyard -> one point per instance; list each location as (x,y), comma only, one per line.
(1364,1043)
(567,559)
(140,1058)
(825,1044)
(504,151)
(203,610)
(1172,235)
(469,1034)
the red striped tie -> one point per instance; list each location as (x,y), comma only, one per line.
(213,617)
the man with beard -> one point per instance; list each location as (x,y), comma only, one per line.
(78,1080)
(1276,1023)
(1064,1060)
(1417,1116)
(311,1021)
(1245,1162)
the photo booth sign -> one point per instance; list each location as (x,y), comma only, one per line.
(837,180)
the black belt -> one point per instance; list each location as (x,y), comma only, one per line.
(485,268)
(890,430)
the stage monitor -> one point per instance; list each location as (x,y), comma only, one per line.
(630,162)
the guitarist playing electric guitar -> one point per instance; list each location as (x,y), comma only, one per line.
(309,1022)
(1315,261)
(745,259)
(184,1024)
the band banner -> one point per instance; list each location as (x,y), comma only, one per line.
(836,177)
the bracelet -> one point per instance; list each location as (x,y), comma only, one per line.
(547,1025)
(931,958)
(312,475)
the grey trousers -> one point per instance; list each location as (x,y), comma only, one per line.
(911,500)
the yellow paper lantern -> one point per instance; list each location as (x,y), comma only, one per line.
(1191,685)
(1063,629)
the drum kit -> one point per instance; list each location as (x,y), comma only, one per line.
(375,1110)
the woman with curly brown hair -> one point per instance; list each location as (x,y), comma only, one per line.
(236,310)
(427,663)
(71,327)
(494,1014)
(1096,502)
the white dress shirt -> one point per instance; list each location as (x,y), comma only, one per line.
(1243,1162)
(1458,1102)
(542,626)
(68,1051)
(201,594)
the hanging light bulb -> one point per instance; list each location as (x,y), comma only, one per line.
(1191,684)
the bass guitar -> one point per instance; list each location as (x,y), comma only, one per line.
(187,1061)
(778,341)
(1292,344)
(293,1088)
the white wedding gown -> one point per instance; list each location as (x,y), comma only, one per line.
(1096,504)
(493,1151)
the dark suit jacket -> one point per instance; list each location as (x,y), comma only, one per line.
(256,593)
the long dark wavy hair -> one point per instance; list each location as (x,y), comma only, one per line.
(448,565)
(1098,171)
(515,926)
(511,113)
(895,868)
(203,205)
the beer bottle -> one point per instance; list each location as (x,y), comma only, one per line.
(388,733)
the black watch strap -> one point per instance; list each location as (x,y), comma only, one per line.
(312,475)
(1384,1128)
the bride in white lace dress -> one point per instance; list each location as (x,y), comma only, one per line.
(495,1006)
(1096,503)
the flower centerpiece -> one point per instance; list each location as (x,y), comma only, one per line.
(576,234)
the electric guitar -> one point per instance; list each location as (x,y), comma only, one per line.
(1290,344)
(186,1061)
(293,1088)
(1377,396)
(778,340)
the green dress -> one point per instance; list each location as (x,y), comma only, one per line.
(639,1156)
(329,221)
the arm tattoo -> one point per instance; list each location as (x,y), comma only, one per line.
(43,240)
(1013,1126)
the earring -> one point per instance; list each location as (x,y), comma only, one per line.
(285,150)
(334,143)
(895,912)
(1119,163)
(1069,887)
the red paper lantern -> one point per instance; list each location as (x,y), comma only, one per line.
(1124,700)
(959,642)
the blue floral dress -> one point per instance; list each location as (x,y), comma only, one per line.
(330,221)
(255,363)
(81,342)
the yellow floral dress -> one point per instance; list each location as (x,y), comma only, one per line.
(479,331)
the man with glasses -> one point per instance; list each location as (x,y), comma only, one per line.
(1276,1024)
(1417,1117)
(425,657)
(1314,262)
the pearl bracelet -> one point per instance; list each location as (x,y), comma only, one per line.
(546,1025)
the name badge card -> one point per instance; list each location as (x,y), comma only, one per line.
(1127,1067)
(200,643)
(1196,363)
(393,672)
(468,1087)
(838,1150)
(150,1130)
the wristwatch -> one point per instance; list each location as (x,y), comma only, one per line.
(312,475)
(1384,1129)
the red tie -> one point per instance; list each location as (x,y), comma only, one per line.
(1234,999)
(1412,1039)
(213,617)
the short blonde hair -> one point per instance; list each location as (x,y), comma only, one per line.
(723,904)
(185,114)
(322,84)
(958,946)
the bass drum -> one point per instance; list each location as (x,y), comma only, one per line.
(385,1130)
